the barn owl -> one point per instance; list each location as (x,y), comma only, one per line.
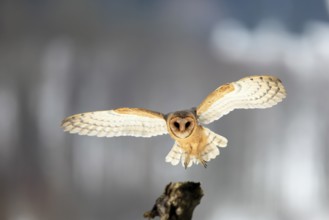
(194,143)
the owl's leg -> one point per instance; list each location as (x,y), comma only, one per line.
(188,156)
(187,160)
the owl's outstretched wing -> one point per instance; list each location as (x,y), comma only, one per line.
(136,122)
(248,92)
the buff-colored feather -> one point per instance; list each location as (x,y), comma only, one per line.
(111,123)
(249,92)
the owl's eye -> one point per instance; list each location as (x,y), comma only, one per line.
(176,124)
(187,124)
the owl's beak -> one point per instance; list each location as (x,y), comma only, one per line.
(183,124)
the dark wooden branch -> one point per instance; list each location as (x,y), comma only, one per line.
(177,202)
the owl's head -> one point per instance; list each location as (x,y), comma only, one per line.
(181,124)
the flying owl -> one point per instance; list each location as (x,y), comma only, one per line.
(194,143)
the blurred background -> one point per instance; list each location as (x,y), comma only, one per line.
(59,58)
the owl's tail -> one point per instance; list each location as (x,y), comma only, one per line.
(215,141)
(174,155)
(211,151)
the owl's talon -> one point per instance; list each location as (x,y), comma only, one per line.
(185,165)
(203,162)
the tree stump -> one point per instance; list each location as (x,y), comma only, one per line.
(177,202)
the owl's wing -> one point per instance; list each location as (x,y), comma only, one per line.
(118,122)
(248,92)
